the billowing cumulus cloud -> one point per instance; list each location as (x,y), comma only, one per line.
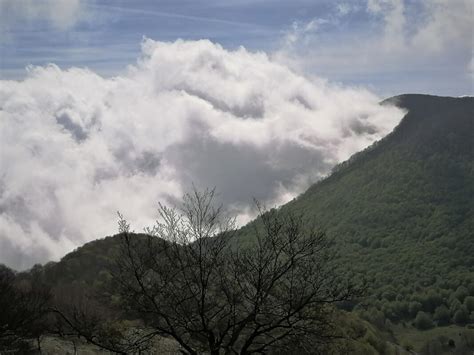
(76,147)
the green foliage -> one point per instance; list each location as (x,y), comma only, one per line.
(469,303)
(23,306)
(461,316)
(454,305)
(414,308)
(453,339)
(423,321)
(442,315)
(361,337)
(401,212)
(461,293)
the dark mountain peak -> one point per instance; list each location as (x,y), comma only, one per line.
(429,103)
(431,125)
(437,133)
(423,101)
(434,124)
(433,111)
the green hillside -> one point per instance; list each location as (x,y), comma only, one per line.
(402,212)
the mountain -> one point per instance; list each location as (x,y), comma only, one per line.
(401,213)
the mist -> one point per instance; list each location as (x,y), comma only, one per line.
(77,147)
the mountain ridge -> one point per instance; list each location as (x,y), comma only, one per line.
(400,213)
(403,208)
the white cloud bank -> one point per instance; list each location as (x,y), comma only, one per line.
(76,147)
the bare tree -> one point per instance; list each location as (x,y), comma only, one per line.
(23,304)
(193,280)
(82,315)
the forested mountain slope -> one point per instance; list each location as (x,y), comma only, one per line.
(401,214)
(402,211)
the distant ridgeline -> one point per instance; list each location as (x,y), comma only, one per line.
(401,214)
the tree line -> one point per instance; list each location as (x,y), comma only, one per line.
(190,280)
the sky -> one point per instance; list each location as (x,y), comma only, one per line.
(389,46)
(117,105)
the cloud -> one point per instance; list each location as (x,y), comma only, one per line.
(300,30)
(393,14)
(471,66)
(76,147)
(60,14)
(441,24)
(392,43)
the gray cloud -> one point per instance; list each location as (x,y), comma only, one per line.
(76,147)
(252,108)
(76,130)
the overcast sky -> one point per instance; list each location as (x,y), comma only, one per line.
(116,105)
